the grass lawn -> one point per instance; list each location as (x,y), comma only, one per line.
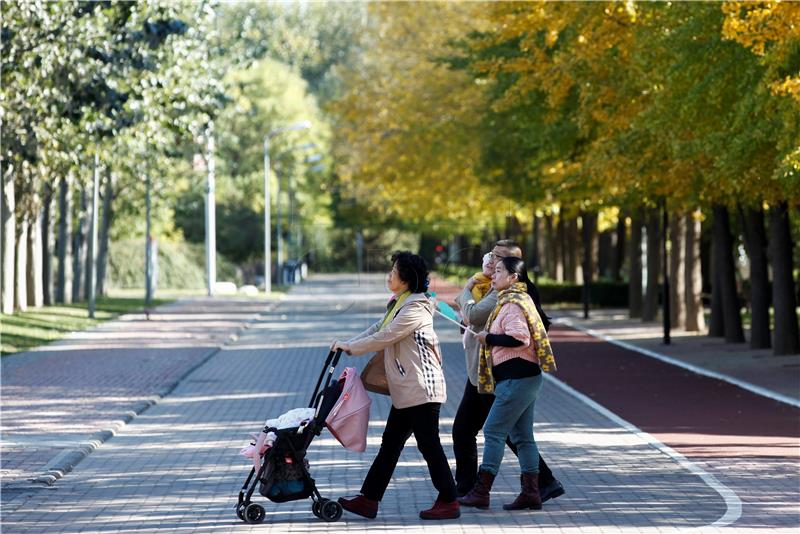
(24,330)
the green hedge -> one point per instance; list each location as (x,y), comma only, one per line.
(181,265)
(601,293)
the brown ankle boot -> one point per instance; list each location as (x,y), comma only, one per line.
(478,496)
(442,510)
(529,497)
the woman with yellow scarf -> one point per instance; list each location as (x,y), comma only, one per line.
(515,351)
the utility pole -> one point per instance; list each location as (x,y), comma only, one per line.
(211,224)
(148,249)
(91,268)
(267,223)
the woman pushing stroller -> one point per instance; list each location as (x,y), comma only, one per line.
(413,365)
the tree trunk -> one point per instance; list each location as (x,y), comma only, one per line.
(755,242)
(653,227)
(573,250)
(635,300)
(21,266)
(33,273)
(9,231)
(677,271)
(536,249)
(695,320)
(79,249)
(46,250)
(64,274)
(716,328)
(561,255)
(726,277)
(550,249)
(605,254)
(589,231)
(619,257)
(787,338)
(514,232)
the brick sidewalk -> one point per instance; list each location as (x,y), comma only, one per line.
(62,400)
(175,466)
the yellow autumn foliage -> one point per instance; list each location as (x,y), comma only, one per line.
(407,141)
(769,28)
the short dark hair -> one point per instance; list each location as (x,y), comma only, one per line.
(512,246)
(412,270)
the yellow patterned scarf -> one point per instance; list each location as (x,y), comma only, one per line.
(544,353)
(483,284)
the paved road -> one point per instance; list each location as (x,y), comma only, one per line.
(175,467)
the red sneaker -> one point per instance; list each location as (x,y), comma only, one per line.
(442,510)
(360,505)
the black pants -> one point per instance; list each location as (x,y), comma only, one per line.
(470,417)
(423,422)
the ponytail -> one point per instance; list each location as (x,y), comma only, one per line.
(533,291)
(517,266)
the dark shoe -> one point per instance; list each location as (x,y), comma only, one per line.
(360,505)
(478,496)
(529,498)
(442,510)
(552,490)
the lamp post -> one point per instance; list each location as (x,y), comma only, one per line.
(91,272)
(302,125)
(211,214)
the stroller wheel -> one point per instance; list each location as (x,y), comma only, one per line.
(331,511)
(254,513)
(316,507)
(240,511)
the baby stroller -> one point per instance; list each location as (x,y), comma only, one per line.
(283,474)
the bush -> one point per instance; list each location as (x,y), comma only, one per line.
(181,265)
(602,293)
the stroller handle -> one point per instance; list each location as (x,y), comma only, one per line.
(330,365)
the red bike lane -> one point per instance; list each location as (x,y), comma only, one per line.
(749,442)
(689,412)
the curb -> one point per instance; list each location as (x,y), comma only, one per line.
(66,460)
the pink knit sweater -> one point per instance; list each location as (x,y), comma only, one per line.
(511,321)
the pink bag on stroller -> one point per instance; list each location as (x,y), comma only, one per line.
(348,420)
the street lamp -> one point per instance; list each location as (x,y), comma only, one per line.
(302,125)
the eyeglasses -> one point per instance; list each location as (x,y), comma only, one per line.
(495,256)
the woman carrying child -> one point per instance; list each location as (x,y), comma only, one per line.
(515,350)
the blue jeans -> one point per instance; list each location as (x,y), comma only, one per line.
(512,416)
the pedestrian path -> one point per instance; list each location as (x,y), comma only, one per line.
(175,467)
(64,399)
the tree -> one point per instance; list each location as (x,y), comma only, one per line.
(118,79)
(408,145)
